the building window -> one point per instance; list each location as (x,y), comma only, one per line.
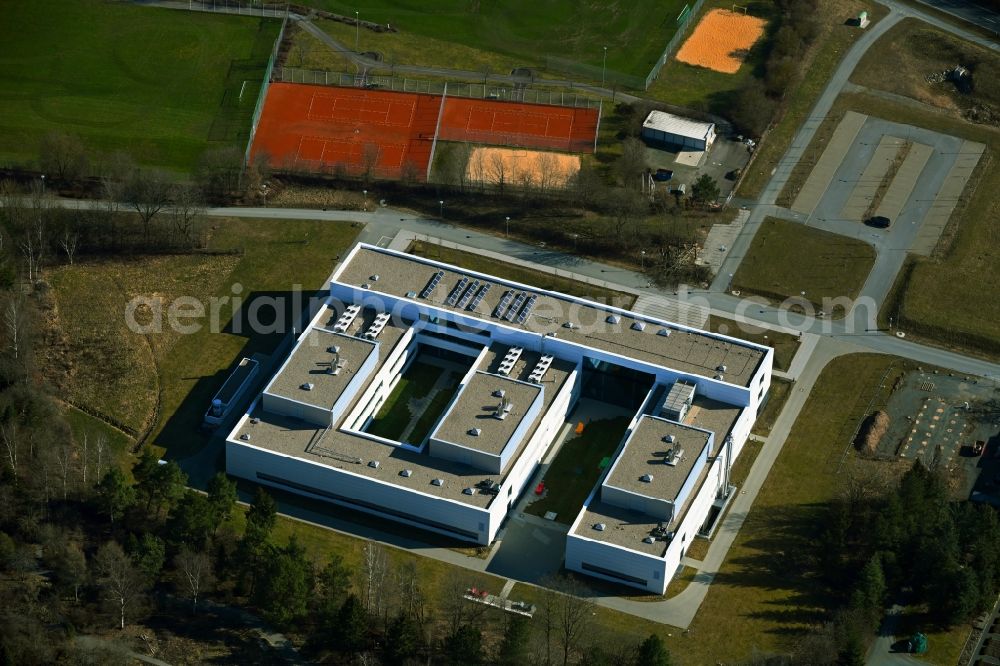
(587,566)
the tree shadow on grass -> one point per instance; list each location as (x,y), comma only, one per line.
(779,556)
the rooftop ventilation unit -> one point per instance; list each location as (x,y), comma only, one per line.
(245,437)
(333,349)
(721,368)
(374,278)
(540,369)
(469,491)
(719,377)
(255,420)
(613,319)
(307,386)
(377,325)
(437,482)
(366,286)
(649,539)
(347,318)
(373,464)
(665,332)
(406,473)
(503,409)
(499,393)
(638,326)
(509,359)
(646,478)
(599,527)
(670,439)
(475,432)
(411,294)
(673,456)
(570,325)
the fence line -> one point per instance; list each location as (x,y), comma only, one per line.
(287,74)
(263,9)
(610,76)
(683,20)
(262,95)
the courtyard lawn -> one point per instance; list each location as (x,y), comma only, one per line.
(788,258)
(160,84)
(576,469)
(394,415)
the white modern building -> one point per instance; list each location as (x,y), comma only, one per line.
(524,357)
(666,129)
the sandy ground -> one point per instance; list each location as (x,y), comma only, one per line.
(529,168)
(721,40)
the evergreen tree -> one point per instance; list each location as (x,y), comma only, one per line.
(148,553)
(352,626)
(286,585)
(652,652)
(464,646)
(402,640)
(191,521)
(222,497)
(114,494)
(514,648)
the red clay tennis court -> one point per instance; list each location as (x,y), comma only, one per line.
(317,128)
(516,124)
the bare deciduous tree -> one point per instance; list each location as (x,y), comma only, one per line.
(122,582)
(64,458)
(68,242)
(632,162)
(194,573)
(9,434)
(187,208)
(63,155)
(498,171)
(374,568)
(147,192)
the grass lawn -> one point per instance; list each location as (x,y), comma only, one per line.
(528,276)
(818,65)
(787,258)
(525,31)
(900,61)
(785,344)
(766,594)
(575,469)
(435,408)
(395,414)
(778,394)
(165,380)
(162,85)
(84,425)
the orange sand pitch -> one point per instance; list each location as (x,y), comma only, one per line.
(721,40)
(528,168)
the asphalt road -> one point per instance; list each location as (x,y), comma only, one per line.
(968,10)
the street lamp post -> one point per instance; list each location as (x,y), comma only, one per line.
(506,232)
(441,204)
(575,236)
(365,193)
(730,282)
(43,183)
(604,66)
(357,30)
(642,259)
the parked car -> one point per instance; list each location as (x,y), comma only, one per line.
(663,175)
(879,222)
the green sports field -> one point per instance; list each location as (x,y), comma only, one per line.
(162,84)
(530,30)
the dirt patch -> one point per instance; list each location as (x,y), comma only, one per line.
(721,41)
(527,168)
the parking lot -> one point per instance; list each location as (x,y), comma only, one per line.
(723,157)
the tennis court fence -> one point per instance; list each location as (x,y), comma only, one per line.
(287,74)
(262,95)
